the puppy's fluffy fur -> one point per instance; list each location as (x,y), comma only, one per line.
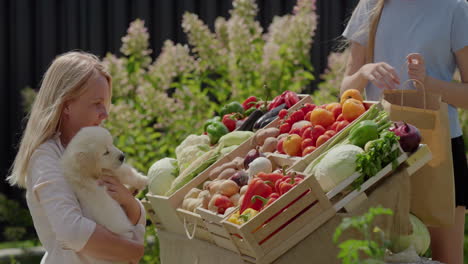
(89,153)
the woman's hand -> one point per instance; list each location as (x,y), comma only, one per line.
(122,195)
(381,75)
(416,67)
(116,190)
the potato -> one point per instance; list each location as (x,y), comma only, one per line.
(214,186)
(269,145)
(217,171)
(239,161)
(228,188)
(193,193)
(284,135)
(263,134)
(226,174)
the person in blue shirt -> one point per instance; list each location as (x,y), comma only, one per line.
(429,40)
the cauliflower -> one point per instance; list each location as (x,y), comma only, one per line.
(190,149)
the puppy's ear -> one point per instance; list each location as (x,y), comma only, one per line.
(88,162)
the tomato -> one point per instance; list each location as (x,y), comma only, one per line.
(322,139)
(330,133)
(307,142)
(285,128)
(318,131)
(308,150)
(292,145)
(341,125)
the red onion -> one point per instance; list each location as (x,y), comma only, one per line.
(241,178)
(251,155)
(409,135)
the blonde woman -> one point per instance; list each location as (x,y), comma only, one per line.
(431,36)
(75,93)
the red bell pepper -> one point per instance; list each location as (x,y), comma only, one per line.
(229,121)
(279,100)
(290,99)
(270,177)
(266,201)
(249,102)
(287,183)
(256,187)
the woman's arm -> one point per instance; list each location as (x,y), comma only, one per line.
(123,196)
(358,73)
(104,244)
(452,93)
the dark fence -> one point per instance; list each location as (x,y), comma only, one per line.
(33,32)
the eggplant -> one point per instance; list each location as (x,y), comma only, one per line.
(268,117)
(250,121)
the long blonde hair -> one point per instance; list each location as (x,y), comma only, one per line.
(64,80)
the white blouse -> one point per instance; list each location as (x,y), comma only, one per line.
(58,220)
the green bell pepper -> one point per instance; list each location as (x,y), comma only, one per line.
(232,107)
(210,121)
(215,131)
(366,130)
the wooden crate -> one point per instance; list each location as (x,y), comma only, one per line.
(210,221)
(282,224)
(165,208)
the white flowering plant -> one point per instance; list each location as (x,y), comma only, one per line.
(156,104)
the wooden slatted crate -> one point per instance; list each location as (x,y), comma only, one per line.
(283,224)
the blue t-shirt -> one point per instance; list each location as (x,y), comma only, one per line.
(434,28)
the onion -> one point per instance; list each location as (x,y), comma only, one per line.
(241,178)
(409,135)
(251,155)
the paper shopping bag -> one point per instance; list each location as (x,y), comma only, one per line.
(432,187)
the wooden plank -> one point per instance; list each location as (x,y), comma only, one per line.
(293,234)
(356,202)
(224,242)
(318,191)
(384,172)
(343,185)
(418,159)
(285,216)
(166,213)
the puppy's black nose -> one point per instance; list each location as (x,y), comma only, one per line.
(122,157)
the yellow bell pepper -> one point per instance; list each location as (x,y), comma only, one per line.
(244,217)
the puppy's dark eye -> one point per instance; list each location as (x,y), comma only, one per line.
(106,153)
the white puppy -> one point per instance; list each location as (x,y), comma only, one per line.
(89,153)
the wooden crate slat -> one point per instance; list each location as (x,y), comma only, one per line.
(293,227)
(285,216)
(370,182)
(286,241)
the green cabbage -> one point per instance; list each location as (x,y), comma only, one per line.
(337,165)
(161,175)
(420,238)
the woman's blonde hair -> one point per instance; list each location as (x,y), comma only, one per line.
(64,80)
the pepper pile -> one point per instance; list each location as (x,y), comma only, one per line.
(262,191)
